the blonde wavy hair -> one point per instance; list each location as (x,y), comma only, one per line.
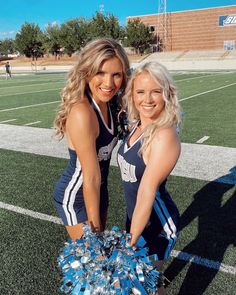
(171,114)
(89,61)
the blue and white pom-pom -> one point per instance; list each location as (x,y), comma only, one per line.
(104,263)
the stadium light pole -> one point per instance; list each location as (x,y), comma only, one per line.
(162,24)
(101,8)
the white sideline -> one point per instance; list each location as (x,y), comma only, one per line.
(178,254)
(204,162)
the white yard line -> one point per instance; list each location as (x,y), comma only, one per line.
(178,254)
(6,121)
(32,123)
(29,85)
(204,262)
(212,90)
(30,213)
(198,77)
(30,106)
(42,79)
(204,138)
(29,92)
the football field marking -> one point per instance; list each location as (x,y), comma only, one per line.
(6,121)
(30,106)
(198,77)
(208,91)
(30,213)
(178,254)
(20,93)
(204,138)
(204,262)
(32,123)
(42,79)
(26,85)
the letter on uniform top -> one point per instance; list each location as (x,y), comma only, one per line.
(127,170)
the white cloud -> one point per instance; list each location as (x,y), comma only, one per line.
(7,33)
(54,23)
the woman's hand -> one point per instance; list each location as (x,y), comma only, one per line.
(95,226)
(134,239)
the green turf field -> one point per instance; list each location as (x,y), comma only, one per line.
(30,245)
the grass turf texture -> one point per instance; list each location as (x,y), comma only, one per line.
(29,247)
(210,114)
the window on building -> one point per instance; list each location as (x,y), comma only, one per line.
(229,45)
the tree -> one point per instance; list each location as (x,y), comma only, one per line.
(53,39)
(74,34)
(104,26)
(138,35)
(7,46)
(30,41)
(113,27)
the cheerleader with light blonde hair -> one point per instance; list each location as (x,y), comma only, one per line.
(146,158)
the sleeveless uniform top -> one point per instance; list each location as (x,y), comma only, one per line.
(161,230)
(68,193)
(132,168)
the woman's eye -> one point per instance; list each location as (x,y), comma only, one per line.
(117,75)
(157,91)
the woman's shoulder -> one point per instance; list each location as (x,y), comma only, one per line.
(169,131)
(166,134)
(81,113)
(82,108)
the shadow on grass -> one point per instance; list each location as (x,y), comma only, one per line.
(215,210)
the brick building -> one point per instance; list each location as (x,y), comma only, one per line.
(201,29)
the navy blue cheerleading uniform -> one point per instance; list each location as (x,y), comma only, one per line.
(161,230)
(68,193)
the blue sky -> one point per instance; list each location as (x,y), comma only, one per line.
(14,13)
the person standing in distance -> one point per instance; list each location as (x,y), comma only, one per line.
(8,70)
(85,116)
(146,158)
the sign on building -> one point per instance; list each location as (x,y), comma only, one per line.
(227,20)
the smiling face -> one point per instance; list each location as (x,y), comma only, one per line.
(148,97)
(108,80)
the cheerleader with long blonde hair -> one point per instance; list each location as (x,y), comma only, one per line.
(146,158)
(86,117)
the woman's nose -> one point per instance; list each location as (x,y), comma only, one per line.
(108,80)
(148,97)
